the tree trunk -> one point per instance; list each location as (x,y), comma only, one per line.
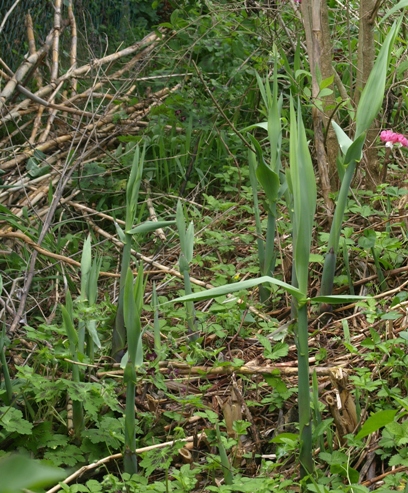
(365,62)
(320,59)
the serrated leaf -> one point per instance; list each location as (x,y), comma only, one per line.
(12,421)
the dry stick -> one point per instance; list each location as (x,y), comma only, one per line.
(7,14)
(116,75)
(60,107)
(100,462)
(369,482)
(93,126)
(74,42)
(205,371)
(17,131)
(62,258)
(85,208)
(165,269)
(55,44)
(28,65)
(147,40)
(65,177)
(37,76)
(152,213)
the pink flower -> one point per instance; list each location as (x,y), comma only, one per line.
(390,138)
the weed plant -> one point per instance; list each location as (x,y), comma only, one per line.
(67,404)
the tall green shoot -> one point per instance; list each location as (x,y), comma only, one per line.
(132,195)
(186,236)
(133,305)
(267,174)
(369,105)
(87,334)
(302,182)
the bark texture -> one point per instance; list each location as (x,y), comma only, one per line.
(315,19)
(366,57)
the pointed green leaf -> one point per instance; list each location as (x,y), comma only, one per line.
(189,246)
(338,299)
(262,89)
(181,225)
(92,289)
(373,93)
(86,262)
(376,421)
(342,138)
(91,328)
(149,226)
(400,5)
(19,473)
(263,125)
(130,315)
(355,151)
(133,186)
(69,329)
(304,197)
(120,232)
(238,286)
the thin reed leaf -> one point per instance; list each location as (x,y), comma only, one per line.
(149,226)
(86,263)
(400,5)
(254,185)
(242,285)
(156,324)
(225,463)
(317,416)
(129,454)
(8,396)
(304,199)
(373,93)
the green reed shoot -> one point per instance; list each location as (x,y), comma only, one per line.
(126,236)
(156,323)
(369,105)
(87,334)
(302,184)
(225,463)
(268,175)
(186,236)
(133,305)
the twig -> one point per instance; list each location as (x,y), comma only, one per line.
(7,14)
(152,213)
(100,462)
(28,241)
